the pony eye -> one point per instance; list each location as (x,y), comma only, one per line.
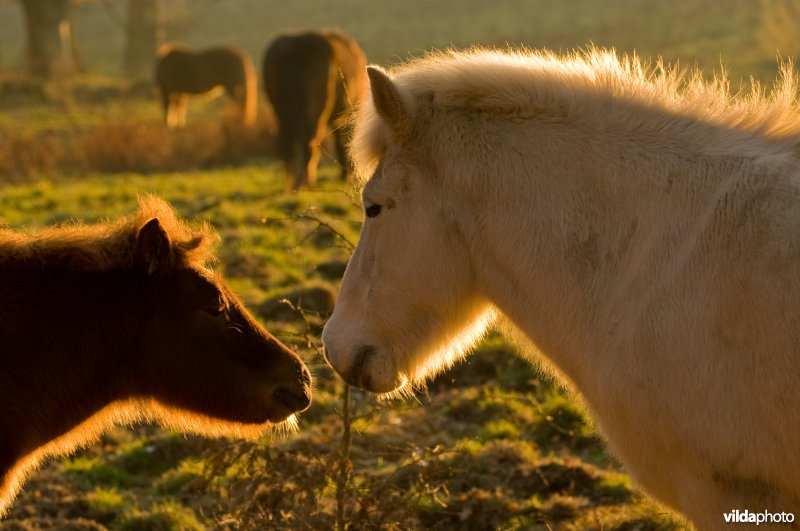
(373,210)
(216,311)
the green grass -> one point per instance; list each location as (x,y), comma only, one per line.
(89,471)
(164,516)
(475,446)
(181,476)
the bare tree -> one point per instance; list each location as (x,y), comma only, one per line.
(144,34)
(49,33)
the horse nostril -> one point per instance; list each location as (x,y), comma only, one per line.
(361,358)
(355,375)
(292,399)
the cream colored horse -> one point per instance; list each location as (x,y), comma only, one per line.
(642,230)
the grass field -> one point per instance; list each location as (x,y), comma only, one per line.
(491,444)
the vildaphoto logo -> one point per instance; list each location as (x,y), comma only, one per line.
(764,517)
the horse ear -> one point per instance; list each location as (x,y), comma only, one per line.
(153,254)
(389,103)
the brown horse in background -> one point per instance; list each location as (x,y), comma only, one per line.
(123,321)
(312,80)
(181,71)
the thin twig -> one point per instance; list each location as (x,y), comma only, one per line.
(321,224)
(324,224)
(344,461)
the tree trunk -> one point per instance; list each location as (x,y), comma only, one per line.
(143,37)
(49,38)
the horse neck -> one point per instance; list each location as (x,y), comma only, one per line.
(68,338)
(578,228)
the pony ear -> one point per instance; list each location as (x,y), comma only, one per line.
(389,103)
(153,253)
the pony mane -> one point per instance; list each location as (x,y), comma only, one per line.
(109,245)
(596,87)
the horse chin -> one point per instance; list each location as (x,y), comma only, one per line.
(274,415)
(285,406)
(370,369)
(379,387)
(277,410)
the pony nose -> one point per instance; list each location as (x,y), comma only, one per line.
(296,401)
(296,397)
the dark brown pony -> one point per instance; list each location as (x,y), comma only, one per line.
(312,80)
(181,71)
(120,322)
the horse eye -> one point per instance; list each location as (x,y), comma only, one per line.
(373,210)
(214,312)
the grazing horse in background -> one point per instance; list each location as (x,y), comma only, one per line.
(313,79)
(123,321)
(181,71)
(640,227)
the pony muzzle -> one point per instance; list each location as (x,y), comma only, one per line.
(293,394)
(368,370)
(292,400)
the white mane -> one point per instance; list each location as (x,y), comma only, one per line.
(596,88)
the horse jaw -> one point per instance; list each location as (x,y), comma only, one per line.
(393,369)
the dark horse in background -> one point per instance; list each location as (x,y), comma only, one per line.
(181,71)
(312,80)
(123,321)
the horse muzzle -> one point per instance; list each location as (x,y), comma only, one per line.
(366,370)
